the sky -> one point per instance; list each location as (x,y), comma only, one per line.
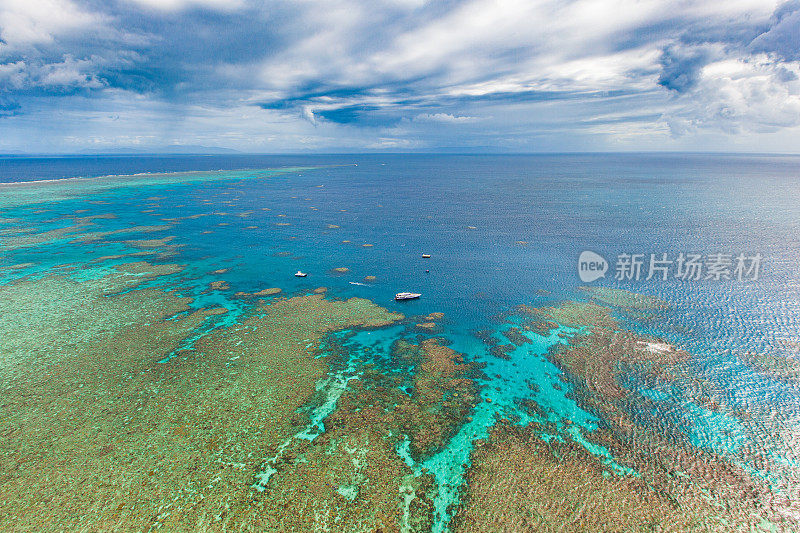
(80,76)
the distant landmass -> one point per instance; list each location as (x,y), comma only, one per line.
(181,149)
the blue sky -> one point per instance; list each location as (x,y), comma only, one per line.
(400,75)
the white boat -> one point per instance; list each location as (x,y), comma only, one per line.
(426,256)
(406,296)
(300,274)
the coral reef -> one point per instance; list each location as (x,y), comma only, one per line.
(684,480)
(519,482)
(444,394)
(351,475)
(778,366)
(98,435)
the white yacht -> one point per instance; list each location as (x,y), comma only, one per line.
(406,296)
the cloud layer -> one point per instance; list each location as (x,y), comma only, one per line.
(498,75)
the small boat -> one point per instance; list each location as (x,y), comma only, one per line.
(406,296)
(426,256)
(300,274)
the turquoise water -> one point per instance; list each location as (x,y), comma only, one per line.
(502,231)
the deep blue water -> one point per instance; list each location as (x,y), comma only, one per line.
(502,231)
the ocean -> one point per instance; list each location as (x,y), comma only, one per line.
(630,375)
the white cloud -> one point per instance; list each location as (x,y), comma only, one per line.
(68,74)
(485,47)
(444,117)
(13,75)
(520,67)
(25,23)
(478,36)
(388,143)
(741,95)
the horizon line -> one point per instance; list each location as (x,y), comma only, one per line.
(234,153)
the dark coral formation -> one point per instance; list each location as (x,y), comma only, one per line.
(519,482)
(444,393)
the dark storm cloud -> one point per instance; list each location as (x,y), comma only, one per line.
(783,36)
(681,66)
